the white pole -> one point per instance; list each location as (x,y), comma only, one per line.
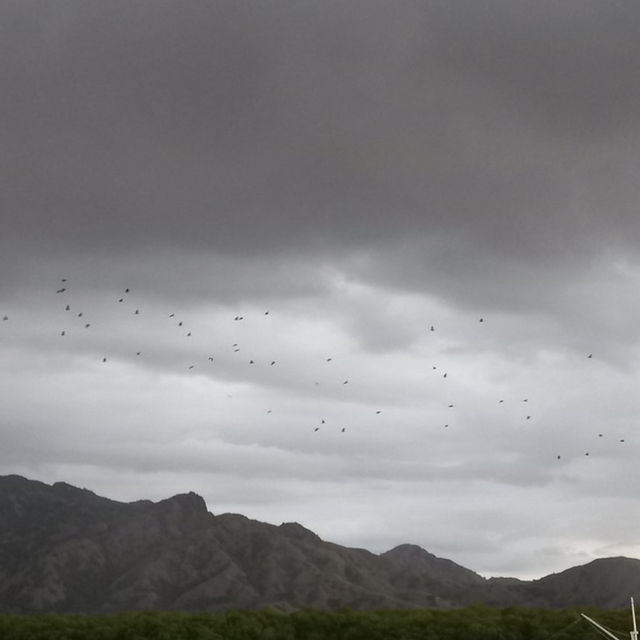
(599,626)
(634,633)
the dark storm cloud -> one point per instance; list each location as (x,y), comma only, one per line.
(253,128)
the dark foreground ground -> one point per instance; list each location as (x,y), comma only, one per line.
(473,623)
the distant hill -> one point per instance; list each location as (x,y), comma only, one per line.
(64,549)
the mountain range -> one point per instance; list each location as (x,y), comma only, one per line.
(66,549)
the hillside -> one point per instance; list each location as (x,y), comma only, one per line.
(64,549)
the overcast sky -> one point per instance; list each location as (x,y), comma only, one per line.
(340,177)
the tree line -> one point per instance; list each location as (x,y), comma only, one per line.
(472,623)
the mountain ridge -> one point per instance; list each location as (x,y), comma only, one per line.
(66,549)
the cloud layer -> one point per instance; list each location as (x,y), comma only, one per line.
(342,177)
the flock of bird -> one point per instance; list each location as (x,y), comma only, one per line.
(79,319)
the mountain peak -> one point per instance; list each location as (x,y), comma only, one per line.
(296,530)
(185,502)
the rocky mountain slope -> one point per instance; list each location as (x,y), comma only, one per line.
(64,549)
